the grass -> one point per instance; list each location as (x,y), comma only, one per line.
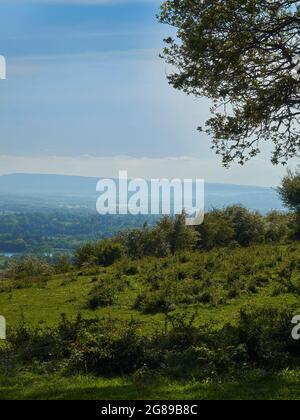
(28,386)
(43,304)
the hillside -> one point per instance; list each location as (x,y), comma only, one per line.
(46,192)
(171,298)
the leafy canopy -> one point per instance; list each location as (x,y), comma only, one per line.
(289,190)
(243,55)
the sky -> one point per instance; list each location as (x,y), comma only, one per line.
(86,94)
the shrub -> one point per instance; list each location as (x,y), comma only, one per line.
(216,230)
(28,266)
(262,338)
(109,347)
(108,252)
(84,254)
(277,227)
(266,333)
(69,279)
(105,292)
(127,267)
(289,192)
(248,226)
(32,344)
(152,302)
(63,264)
(102,253)
(170,235)
(98,346)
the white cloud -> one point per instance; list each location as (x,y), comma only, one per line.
(258,172)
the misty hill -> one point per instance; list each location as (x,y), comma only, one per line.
(59,191)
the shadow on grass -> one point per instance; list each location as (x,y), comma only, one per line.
(89,388)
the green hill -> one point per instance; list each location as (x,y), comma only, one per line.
(200,294)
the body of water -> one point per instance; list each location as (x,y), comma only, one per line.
(8,254)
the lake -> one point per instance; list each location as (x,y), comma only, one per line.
(7,254)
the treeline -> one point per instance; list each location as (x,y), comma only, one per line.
(236,225)
(233,226)
(57,231)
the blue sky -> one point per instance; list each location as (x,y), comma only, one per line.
(86,92)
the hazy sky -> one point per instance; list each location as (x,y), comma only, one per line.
(87,94)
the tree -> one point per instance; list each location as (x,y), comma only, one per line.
(179,236)
(216,231)
(244,56)
(107,252)
(289,192)
(103,253)
(248,226)
(84,254)
(28,266)
(63,264)
(278,226)
(170,235)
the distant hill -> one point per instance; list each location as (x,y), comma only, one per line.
(52,191)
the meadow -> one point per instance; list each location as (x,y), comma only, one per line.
(198,324)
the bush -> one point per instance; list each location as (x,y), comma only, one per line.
(261,338)
(152,302)
(278,227)
(235,225)
(63,264)
(84,254)
(108,252)
(31,344)
(105,292)
(97,346)
(170,235)
(266,333)
(216,231)
(102,253)
(109,347)
(28,266)
(248,226)
(101,296)
(127,267)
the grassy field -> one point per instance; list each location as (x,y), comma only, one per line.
(28,386)
(42,303)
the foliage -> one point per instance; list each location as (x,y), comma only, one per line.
(103,253)
(266,333)
(289,190)
(105,292)
(233,225)
(111,347)
(58,232)
(241,55)
(278,227)
(214,304)
(170,235)
(216,277)
(28,266)
(63,264)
